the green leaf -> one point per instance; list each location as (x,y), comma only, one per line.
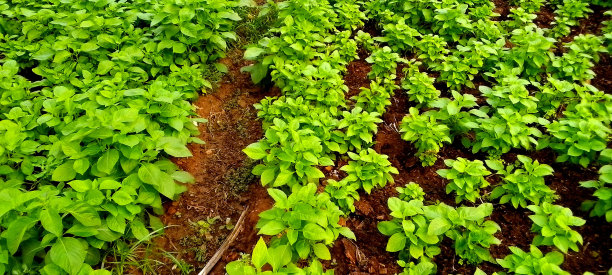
(279,256)
(272,228)
(252,53)
(69,254)
(183,176)
(15,232)
(105,66)
(314,232)
(107,162)
(346,232)
(438,226)
(85,214)
(397,242)
(321,251)
(139,230)
(260,254)
(176,149)
(255,151)
(52,221)
(64,172)
(44,53)
(122,198)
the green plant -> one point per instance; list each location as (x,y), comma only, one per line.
(577,62)
(534,262)
(520,18)
(432,48)
(603,205)
(511,91)
(412,191)
(523,182)
(399,36)
(377,97)
(278,258)
(531,52)
(474,236)
(453,115)
(370,169)
(360,127)
(290,155)
(568,14)
(409,230)
(530,6)
(416,230)
(365,40)
(344,193)
(552,223)
(466,178)
(507,128)
(384,62)
(584,130)
(424,267)
(305,222)
(419,85)
(426,133)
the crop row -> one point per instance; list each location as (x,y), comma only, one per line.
(95,96)
(536,96)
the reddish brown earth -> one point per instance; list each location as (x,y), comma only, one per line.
(224,186)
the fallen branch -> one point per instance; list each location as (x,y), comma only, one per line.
(215,258)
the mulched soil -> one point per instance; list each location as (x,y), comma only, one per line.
(224,186)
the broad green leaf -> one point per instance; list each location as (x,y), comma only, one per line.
(314,232)
(260,254)
(107,161)
(69,254)
(321,251)
(52,221)
(255,151)
(15,232)
(396,243)
(64,172)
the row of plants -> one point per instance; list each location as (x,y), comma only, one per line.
(313,125)
(95,98)
(537,99)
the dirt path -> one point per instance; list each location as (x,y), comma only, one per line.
(224,183)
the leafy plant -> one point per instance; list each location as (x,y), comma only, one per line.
(290,155)
(377,97)
(409,229)
(466,178)
(584,130)
(384,62)
(523,182)
(568,14)
(552,223)
(399,36)
(416,230)
(370,169)
(278,258)
(534,262)
(343,193)
(412,191)
(432,48)
(577,62)
(360,127)
(304,222)
(365,40)
(531,52)
(419,85)
(426,133)
(506,129)
(603,205)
